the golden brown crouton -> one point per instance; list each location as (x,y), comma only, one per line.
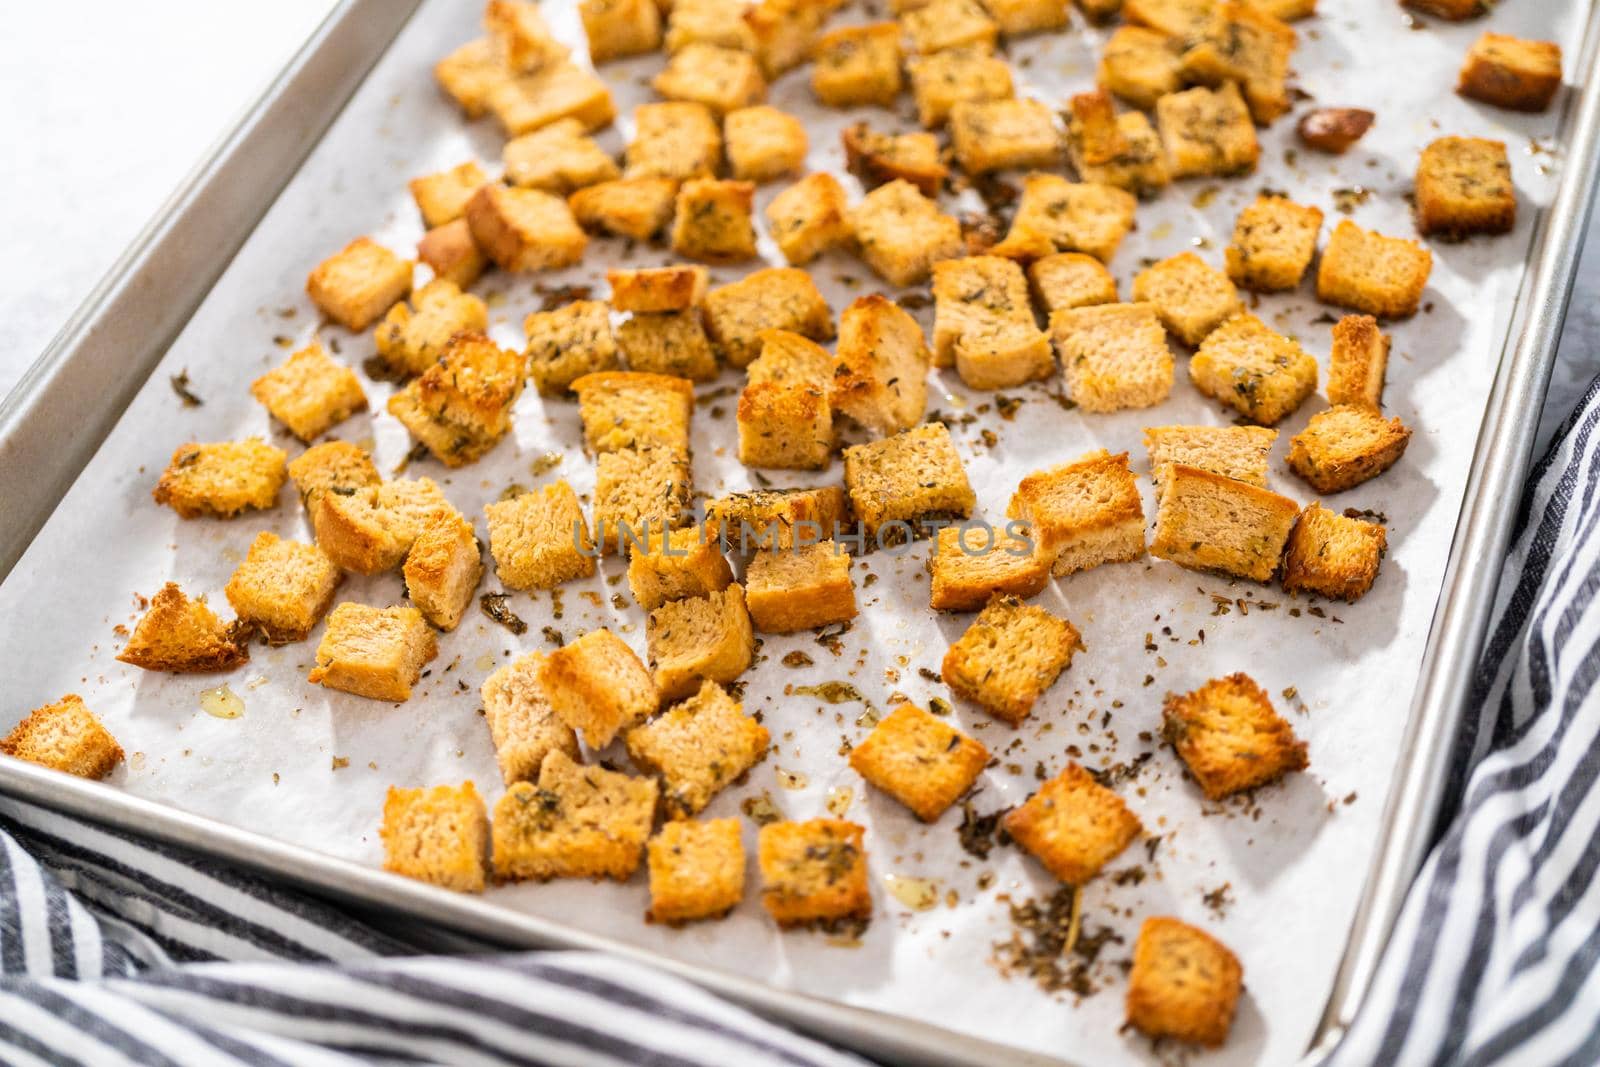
(855,66)
(723,79)
(718,22)
(1082,514)
(620,28)
(764,143)
(1073,825)
(1140,66)
(598,686)
(983,323)
(1344,446)
(438,835)
(1510,72)
(922,762)
(522,724)
(775,518)
(1366,271)
(369,530)
(1273,242)
(332,465)
(637,494)
(461,406)
(64,736)
(626,409)
(373,652)
(411,339)
(682,563)
(1056,215)
(1207,132)
(525,229)
(1464,187)
(880,375)
(786,32)
(310,393)
(1254,369)
(675,139)
(559,91)
(696,870)
(699,747)
(1191,296)
(877,158)
(557,158)
(970,566)
(1068,280)
(775,298)
(809,218)
(521,38)
(899,484)
(1017,18)
(901,234)
(443,197)
(1182,20)
(442,570)
(1123,151)
(1358,361)
(1230,737)
(1184,983)
(655,289)
(223,479)
(957,75)
(668,342)
(800,588)
(357,285)
(785,419)
(712,220)
(1247,46)
(283,587)
(578,822)
(1334,129)
(1008,657)
(1238,452)
(452,254)
(1333,554)
(638,208)
(702,638)
(470,74)
(942,24)
(1004,134)
(1210,522)
(813,871)
(1113,356)
(568,343)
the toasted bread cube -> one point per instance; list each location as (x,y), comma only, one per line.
(524,727)
(443,197)
(1004,134)
(470,74)
(1251,367)
(1366,271)
(1008,657)
(723,79)
(676,139)
(221,480)
(1464,186)
(1334,129)
(1018,18)
(1209,522)
(525,229)
(1082,514)
(1073,825)
(373,652)
(1113,356)
(410,340)
(683,563)
(971,293)
(1068,280)
(1123,151)
(921,761)
(775,298)
(764,143)
(438,835)
(568,343)
(696,870)
(1191,296)
(877,158)
(1184,983)
(638,208)
(1229,736)
(957,75)
(452,254)
(1286,10)
(994,351)
(283,587)
(627,409)
(638,493)
(943,24)
(64,736)
(560,157)
(788,358)
(785,425)
(775,518)
(184,636)
(712,220)
(1183,20)
(370,530)
(560,91)
(1333,555)
(1359,358)
(668,342)
(332,465)
(1140,66)
(1247,46)
(620,28)
(786,32)
(698,747)
(703,638)
(856,66)
(1512,73)
(461,406)
(809,218)
(1056,215)
(800,588)
(598,686)
(1346,445)
(578,822)
(521,37)
(656,289)
(813,872)
(1273,242)
(880,375)
(901,234)
(899,484)
(442,570)
(310,393)
(969,568)
(540,539)
(718,22)
(1207,132)
(357,285)
(1237,452)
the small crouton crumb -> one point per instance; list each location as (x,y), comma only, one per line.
(696,869)
(438,835)
(698,747)
(65,736)
(920,760)
(1344,446)
(1009,656)
(1333,555)
(814,871)
(373,652)
(1073,825)
(1230,737)
(1184,984)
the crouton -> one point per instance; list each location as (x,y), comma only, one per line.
(637,492)
(1073,825)
(283,588)
(1286,10)
(560,157)
(370,530)
(357,285)
(373,652)
(540,539)
(1140,66)
(521,38)
(877,158)
(411,339)
(970,567)
(568,343)
(470,74)
(627,409)
(598,686)
(1191,296)
(620,28)
(65,736)
(1237,452)
(813,871)
(880,377)
(337,465)
(1182,20)
(1207,132)
(1366,271)
(775,298)
(984,324)
(525,229)
(656,289)
(1056,215)
(637,208)
(1273,242)
(901,234)
(668,342)
(1334,129)
(800,588)
(1332,554)
(856,66)
(809,218)
(1210,522)
(443,197)
(675,139)
(578,822)
(1122,151)
(1229,736)
(1344,446)
(442,570)
(559,91)
(790,359)
(723,79)
(786,421)
(718,22)
(1512,73)
(1008,657)
(696,869)
(786,32)
(775,518)
(957,75)
(764,143)
(221,480)
(522,724)
(1451,10)
(1464,187)
(1082,514)
(310,393)
(1096,136)
(438,835)
(698,747)
(922,762)
(703,638)
(681,563)
(942,24)
(1113,356)
(1184,983)
(1359,358)
(1005,134)
(1067,280)
(460,407)
(1244,45)
(452,254)
(712,220)
(184,636)
(901,483)
(1018,18)
(1257,371)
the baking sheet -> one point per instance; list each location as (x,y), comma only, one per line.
(310,766)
